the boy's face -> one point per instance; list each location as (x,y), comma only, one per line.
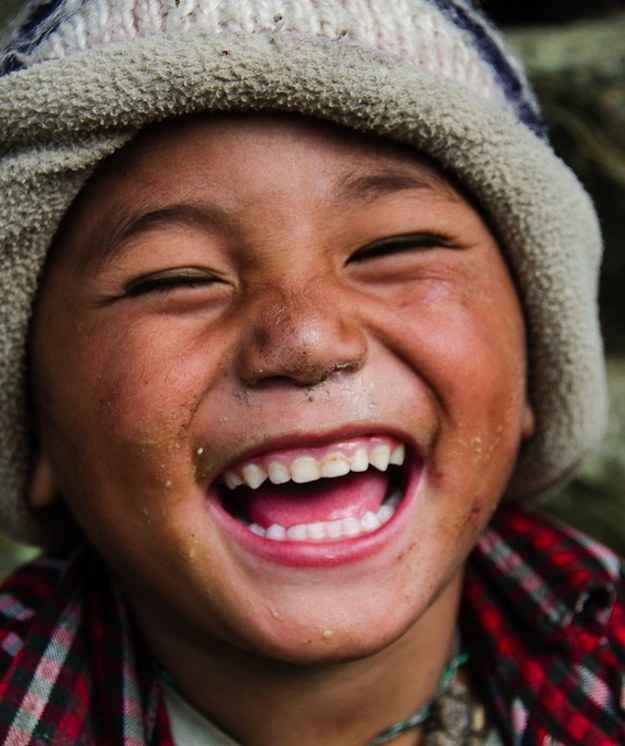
(229,290)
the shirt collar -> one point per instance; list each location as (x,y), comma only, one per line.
(549,575)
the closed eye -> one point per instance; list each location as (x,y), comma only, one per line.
(400,244)
(169,281)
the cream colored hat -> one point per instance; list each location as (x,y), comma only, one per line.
(79,78)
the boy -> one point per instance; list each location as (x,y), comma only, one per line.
(316,296)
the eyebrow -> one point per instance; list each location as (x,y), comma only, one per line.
(111,235)
(115,231)
(368,187)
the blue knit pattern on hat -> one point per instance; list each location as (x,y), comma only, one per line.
(43,19)
(45,16)
(511,81)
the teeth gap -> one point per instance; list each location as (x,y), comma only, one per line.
(396,482)
(232,504)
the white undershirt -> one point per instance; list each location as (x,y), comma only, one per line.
(189,727)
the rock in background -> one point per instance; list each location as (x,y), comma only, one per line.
(575,55)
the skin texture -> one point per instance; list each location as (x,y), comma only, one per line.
(144,397)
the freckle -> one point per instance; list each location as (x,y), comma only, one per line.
(328,634)
(476,511)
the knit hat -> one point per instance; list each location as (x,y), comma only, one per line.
(80,78)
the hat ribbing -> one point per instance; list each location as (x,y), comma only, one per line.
(447,39)
(82,77)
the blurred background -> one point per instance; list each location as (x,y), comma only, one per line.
(574,51)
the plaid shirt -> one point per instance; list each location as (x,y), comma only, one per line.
(543,618)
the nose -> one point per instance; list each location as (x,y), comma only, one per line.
(299,336)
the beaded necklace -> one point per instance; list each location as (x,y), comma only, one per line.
(451,718)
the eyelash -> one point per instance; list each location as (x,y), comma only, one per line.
(165,284)
(399,245)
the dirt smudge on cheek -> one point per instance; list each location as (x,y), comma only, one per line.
(406,552)
(149,443)
(146,512)
(203,468)
(192,549)
(275,614)
(484,450)
(144,416)
(475,512)
(473,517)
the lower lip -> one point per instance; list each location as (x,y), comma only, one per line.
(324,553)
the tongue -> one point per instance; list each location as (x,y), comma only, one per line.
(325,500)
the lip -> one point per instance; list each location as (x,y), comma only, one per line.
(326,554)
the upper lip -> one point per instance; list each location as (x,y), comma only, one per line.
(309,440)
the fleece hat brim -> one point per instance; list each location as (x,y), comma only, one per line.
(59,119)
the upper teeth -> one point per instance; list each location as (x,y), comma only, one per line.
(308,468)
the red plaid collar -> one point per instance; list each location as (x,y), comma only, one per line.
(543,619)
(73,670)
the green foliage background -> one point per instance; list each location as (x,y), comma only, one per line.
(575,55)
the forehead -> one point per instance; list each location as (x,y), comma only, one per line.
(204,151)
(221,169)
(222,137)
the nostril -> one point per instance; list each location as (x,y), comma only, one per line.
(261,381)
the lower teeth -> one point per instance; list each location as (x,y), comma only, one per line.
(323,530)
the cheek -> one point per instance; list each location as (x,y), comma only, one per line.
(118,407)
(469,348)
(139,379)
(481,429)
(118,402)
(472,359)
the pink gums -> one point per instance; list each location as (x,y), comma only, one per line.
(325,500)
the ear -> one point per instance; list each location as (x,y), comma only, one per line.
(529,422)
(42,491)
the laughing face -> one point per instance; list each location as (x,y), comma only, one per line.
(280,382)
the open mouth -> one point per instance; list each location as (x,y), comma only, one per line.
(322,494)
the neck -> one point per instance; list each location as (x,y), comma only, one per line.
(265,702)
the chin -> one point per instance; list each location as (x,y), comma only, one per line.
(317,646)
(332,627)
